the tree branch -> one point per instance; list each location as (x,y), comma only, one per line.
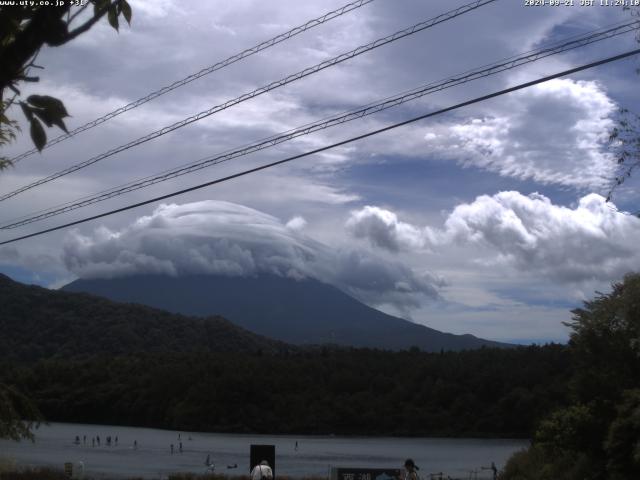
(89,23)
(78,12)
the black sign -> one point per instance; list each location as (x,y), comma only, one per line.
(367,474)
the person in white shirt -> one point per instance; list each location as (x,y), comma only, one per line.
(262,471)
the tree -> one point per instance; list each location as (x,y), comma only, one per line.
(625,143)
(597,434)
(18,414)
(624,139)
(24,30)
(623,440)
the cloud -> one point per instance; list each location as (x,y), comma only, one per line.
(552,133)
(296,223)
(215,237)
(592,241)
(383,229)
(33,260)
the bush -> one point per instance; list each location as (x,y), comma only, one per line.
(33,474)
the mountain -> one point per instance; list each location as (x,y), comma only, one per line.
(39,323)
(294,311)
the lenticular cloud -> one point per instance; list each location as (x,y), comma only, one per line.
(221,238)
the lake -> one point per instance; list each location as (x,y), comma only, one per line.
(152,458)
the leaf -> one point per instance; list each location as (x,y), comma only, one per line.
(112,16)
(99,5)
(51,104)
(5,163)
(44,116)
(26,109)
(126,10)
(50,119)
(37,134)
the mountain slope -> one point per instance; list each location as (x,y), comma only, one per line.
(300,312)
(39,323)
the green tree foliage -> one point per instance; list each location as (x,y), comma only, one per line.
(596,436)
(622,445)
(24,29)
(485,392)
(18,414)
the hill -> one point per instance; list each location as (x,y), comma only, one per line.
(294,311)
(41,323)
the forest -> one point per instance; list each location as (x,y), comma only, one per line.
(486,392)
(38,323)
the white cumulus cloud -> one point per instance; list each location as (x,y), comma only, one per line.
(592,241)
(215,237)
(383,229)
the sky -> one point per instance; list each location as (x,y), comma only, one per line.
(490,219)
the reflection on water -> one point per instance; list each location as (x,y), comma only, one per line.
(151,455)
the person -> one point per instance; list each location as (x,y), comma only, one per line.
(410,470)
(262,471)
(172,449)
(296,447)
(135,444)
(180,447)
(211,467)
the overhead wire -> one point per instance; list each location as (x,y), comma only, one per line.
(328,147)
(205,71)
(259,91)
(389,102)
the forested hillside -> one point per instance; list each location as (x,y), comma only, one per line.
(486,392)
(40,323)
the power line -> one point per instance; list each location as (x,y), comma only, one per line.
(389,102)
(205,71)
(334,145)
(259,91)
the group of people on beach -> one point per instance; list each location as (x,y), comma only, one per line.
(95,441)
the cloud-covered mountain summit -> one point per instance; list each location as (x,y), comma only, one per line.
(222,238)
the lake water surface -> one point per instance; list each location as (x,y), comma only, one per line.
(54,445)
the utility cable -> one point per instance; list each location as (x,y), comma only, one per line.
(328,147)
(259,91)
(205,71)
(372,108)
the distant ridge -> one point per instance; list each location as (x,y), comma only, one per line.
(39,323)
(294,311)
